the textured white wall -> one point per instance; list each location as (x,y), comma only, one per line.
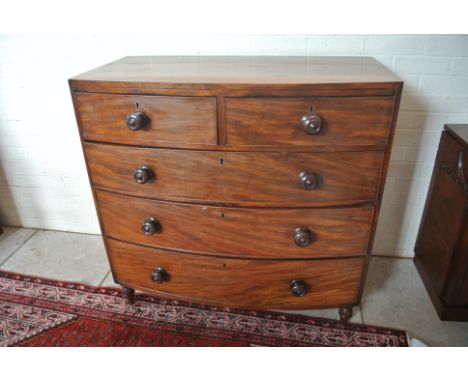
(43,181)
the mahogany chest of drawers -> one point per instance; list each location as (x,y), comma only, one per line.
(250,182)
(441,251)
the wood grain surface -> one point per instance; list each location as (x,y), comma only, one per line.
(237,178)
(449,154)
(252,70)
(439,230)
(233,282)
(346,121)
(225,147)
(172,120)
(441,250)
(241,232)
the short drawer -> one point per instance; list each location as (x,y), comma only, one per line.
(147,120)
(308,121)
(280,179)
(234,282)
(241,232)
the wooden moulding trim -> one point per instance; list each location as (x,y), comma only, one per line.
(237,148)
(228,256)
(344,89)
(252,204)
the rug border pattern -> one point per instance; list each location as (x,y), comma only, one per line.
(143,301)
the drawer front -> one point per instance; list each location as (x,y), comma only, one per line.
(279,121)
(288,179)
(233,282)
(166,120)
(242,232)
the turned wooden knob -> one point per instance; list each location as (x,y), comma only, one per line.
(150,226)
(302,236)
(298,288)
(159,275)
(136,120)
(311,123)
(308,179)
(143,174)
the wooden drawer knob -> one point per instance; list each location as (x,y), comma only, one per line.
(136,120)
(308,179)
(298,288)
(302,236)
(143,174)
(159,275)
(311,123)
(150,226)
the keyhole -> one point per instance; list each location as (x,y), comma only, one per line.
(224,265)
(222,216)
(137,104)
(221,161)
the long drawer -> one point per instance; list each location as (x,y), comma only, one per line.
(282,179)
(147,120)
(314,122)
(232,282)
(242,232)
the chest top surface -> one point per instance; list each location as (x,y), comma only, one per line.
(241,70)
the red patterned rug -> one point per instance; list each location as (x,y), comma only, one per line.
(41,312)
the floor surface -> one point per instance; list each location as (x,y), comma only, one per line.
(394,295)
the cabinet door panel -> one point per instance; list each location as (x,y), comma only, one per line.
(440,228)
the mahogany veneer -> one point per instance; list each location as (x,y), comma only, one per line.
(441,250)
(253,182)
(243,283)
(241,232)
(171,120)
(350,121)
(238,177)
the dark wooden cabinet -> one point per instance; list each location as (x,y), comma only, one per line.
(441,251)
(250,182)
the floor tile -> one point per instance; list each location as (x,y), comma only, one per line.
(328,313)
(61,255)
(394,296)
(11,239)
(109,281)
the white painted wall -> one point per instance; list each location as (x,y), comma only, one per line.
(43,181)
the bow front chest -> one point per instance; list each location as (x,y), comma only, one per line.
(250,182)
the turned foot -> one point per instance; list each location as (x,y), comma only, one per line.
(345,313)
(129,294)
